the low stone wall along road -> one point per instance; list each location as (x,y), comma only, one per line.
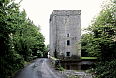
(40,68)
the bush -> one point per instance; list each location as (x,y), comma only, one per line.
(106,69)
(60,67)
(11,64)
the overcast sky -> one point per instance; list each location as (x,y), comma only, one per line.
(39,11)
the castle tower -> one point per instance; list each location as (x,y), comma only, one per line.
(65,32)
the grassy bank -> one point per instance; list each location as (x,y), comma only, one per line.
(88,57)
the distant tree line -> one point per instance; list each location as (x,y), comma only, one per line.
(100,41)
(20,39)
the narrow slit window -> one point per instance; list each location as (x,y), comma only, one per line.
(68,42)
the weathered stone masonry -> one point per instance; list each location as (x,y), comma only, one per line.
(65,32)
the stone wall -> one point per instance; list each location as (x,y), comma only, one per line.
(72,58)
(54,61)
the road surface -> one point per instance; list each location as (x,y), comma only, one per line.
(40,68)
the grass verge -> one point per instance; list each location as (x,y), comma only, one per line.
(55,58)
(88,57)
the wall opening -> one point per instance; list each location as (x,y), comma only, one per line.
(67,54)
(68,42)
(67,35)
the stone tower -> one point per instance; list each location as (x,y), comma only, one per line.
(65,32)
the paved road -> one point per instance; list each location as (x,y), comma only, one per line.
(40,68)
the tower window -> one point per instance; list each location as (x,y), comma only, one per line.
(67,35)
(67,54)
(68,42)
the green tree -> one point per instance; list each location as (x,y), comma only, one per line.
(86,39)
(29,39)
(19,38)
(102,28)
(48,46)
(103,44)
(9,59)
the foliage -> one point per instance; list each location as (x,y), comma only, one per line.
(86,39)
(103,31)
(48,46)
(19,38)
(106,69)
(45,51)
(28,40)
(61,68)
(102,43)
(55,58)
(10,61)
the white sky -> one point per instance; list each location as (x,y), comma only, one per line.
(39,11)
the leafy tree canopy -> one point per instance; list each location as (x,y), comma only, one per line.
(100,41)
(19,38)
